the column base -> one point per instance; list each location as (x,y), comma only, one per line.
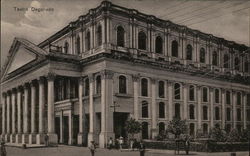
(52,139)
(25,138)
(7,137)
(32,138)
(40,139)
(12,138)
(19,138)
(90,138)
(82,139)
(104,137)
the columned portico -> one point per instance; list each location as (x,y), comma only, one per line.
(32,136)
(19,115)
(13,114)
(25,136)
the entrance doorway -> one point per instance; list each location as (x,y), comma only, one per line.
(75,128)
(119,124)
(65,130)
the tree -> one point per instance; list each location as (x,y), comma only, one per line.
(218,134)
(233,136)
(177,127)
(132,127)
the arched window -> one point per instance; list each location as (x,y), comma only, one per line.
(226,61)
(228,97)
(142,40)
(161,110)
(238,98)
(191,112)
(217,95)
(238,114)
(144,110)
(204,93)
(161,127)
(120,36)
(215,59)
(177,109)
(99,35)
(237,63)
(161,89)
(228,128)
(177,91)
(191,93)
(246,64)
(66,47)
(202,55)
(228,114)
(217,113)
(98,84)
(174,48)
(87,41)
(205,128)
(158,45)
(86,88)
(144,130)
(122,84)
(78,44)
(189,51)
(191,129)
(205,113)
(144,87)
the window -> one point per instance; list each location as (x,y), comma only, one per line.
(238,114)
(144,87)
(228,97)
(120,36)
(189,52)
(226,61)
(191,112)
(177,91)
(177,110)
(174,48)
(142,39)
(217,95)
(217,113)
(248,114)
(66,47)
(98,84)
(204,94)
(122,84)
(236,63)
(246,67)
(215,59)
(228,114)
(88,41)
(99,35)
(78,44)
(205,128)
(191,93)
(205,113)
(238,98)
(161,110)
(202,55)
(144,109)
(161,127)
(248,99)
(191,128)
(144,130)
(158,45)
(161,89)
(86,88)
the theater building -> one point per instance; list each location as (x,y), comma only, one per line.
(84,82)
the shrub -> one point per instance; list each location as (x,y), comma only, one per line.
(218,134)
(233,136)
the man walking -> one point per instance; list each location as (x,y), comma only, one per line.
(142,149)
(92,148)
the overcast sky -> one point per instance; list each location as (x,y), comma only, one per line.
(222,18)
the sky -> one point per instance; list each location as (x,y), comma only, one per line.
(223,18)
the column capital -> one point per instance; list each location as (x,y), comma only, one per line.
(8,92)
(19,88)
(91,77)
(223,90)
(136,77)
(4,94)
(211,89)
(198,86)
(80,80)
(170,82)
(32,83)
(26,85)
(153,80)
(107,74)
(13,90)
(51,76)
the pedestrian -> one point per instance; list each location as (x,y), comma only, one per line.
(3,149)
(110,143)
(121,142)
(142,149)
(46,140)
(187,145)
(92,148)
(132,144)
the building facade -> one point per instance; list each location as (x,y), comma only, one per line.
(85,81)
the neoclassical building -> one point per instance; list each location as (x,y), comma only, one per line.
(86,80)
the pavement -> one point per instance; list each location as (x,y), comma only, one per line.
(63,150)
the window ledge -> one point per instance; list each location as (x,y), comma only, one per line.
(123,95)
(96,95)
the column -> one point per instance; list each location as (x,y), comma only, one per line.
(91,110)
(211,91)
(13,103)
(19,113)
(61,128)
(223,102)
(32,136)
(3,114)
(244,110)
(199,97)
(136,79)
(234,109)
(82,119)
(154,117)
(51,112)
(185,101)
(170,100)
(41,98)
(70,123)
(7,138)
(25,136)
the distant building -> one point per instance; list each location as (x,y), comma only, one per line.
(86,80)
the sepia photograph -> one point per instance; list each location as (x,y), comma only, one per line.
(125,78)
